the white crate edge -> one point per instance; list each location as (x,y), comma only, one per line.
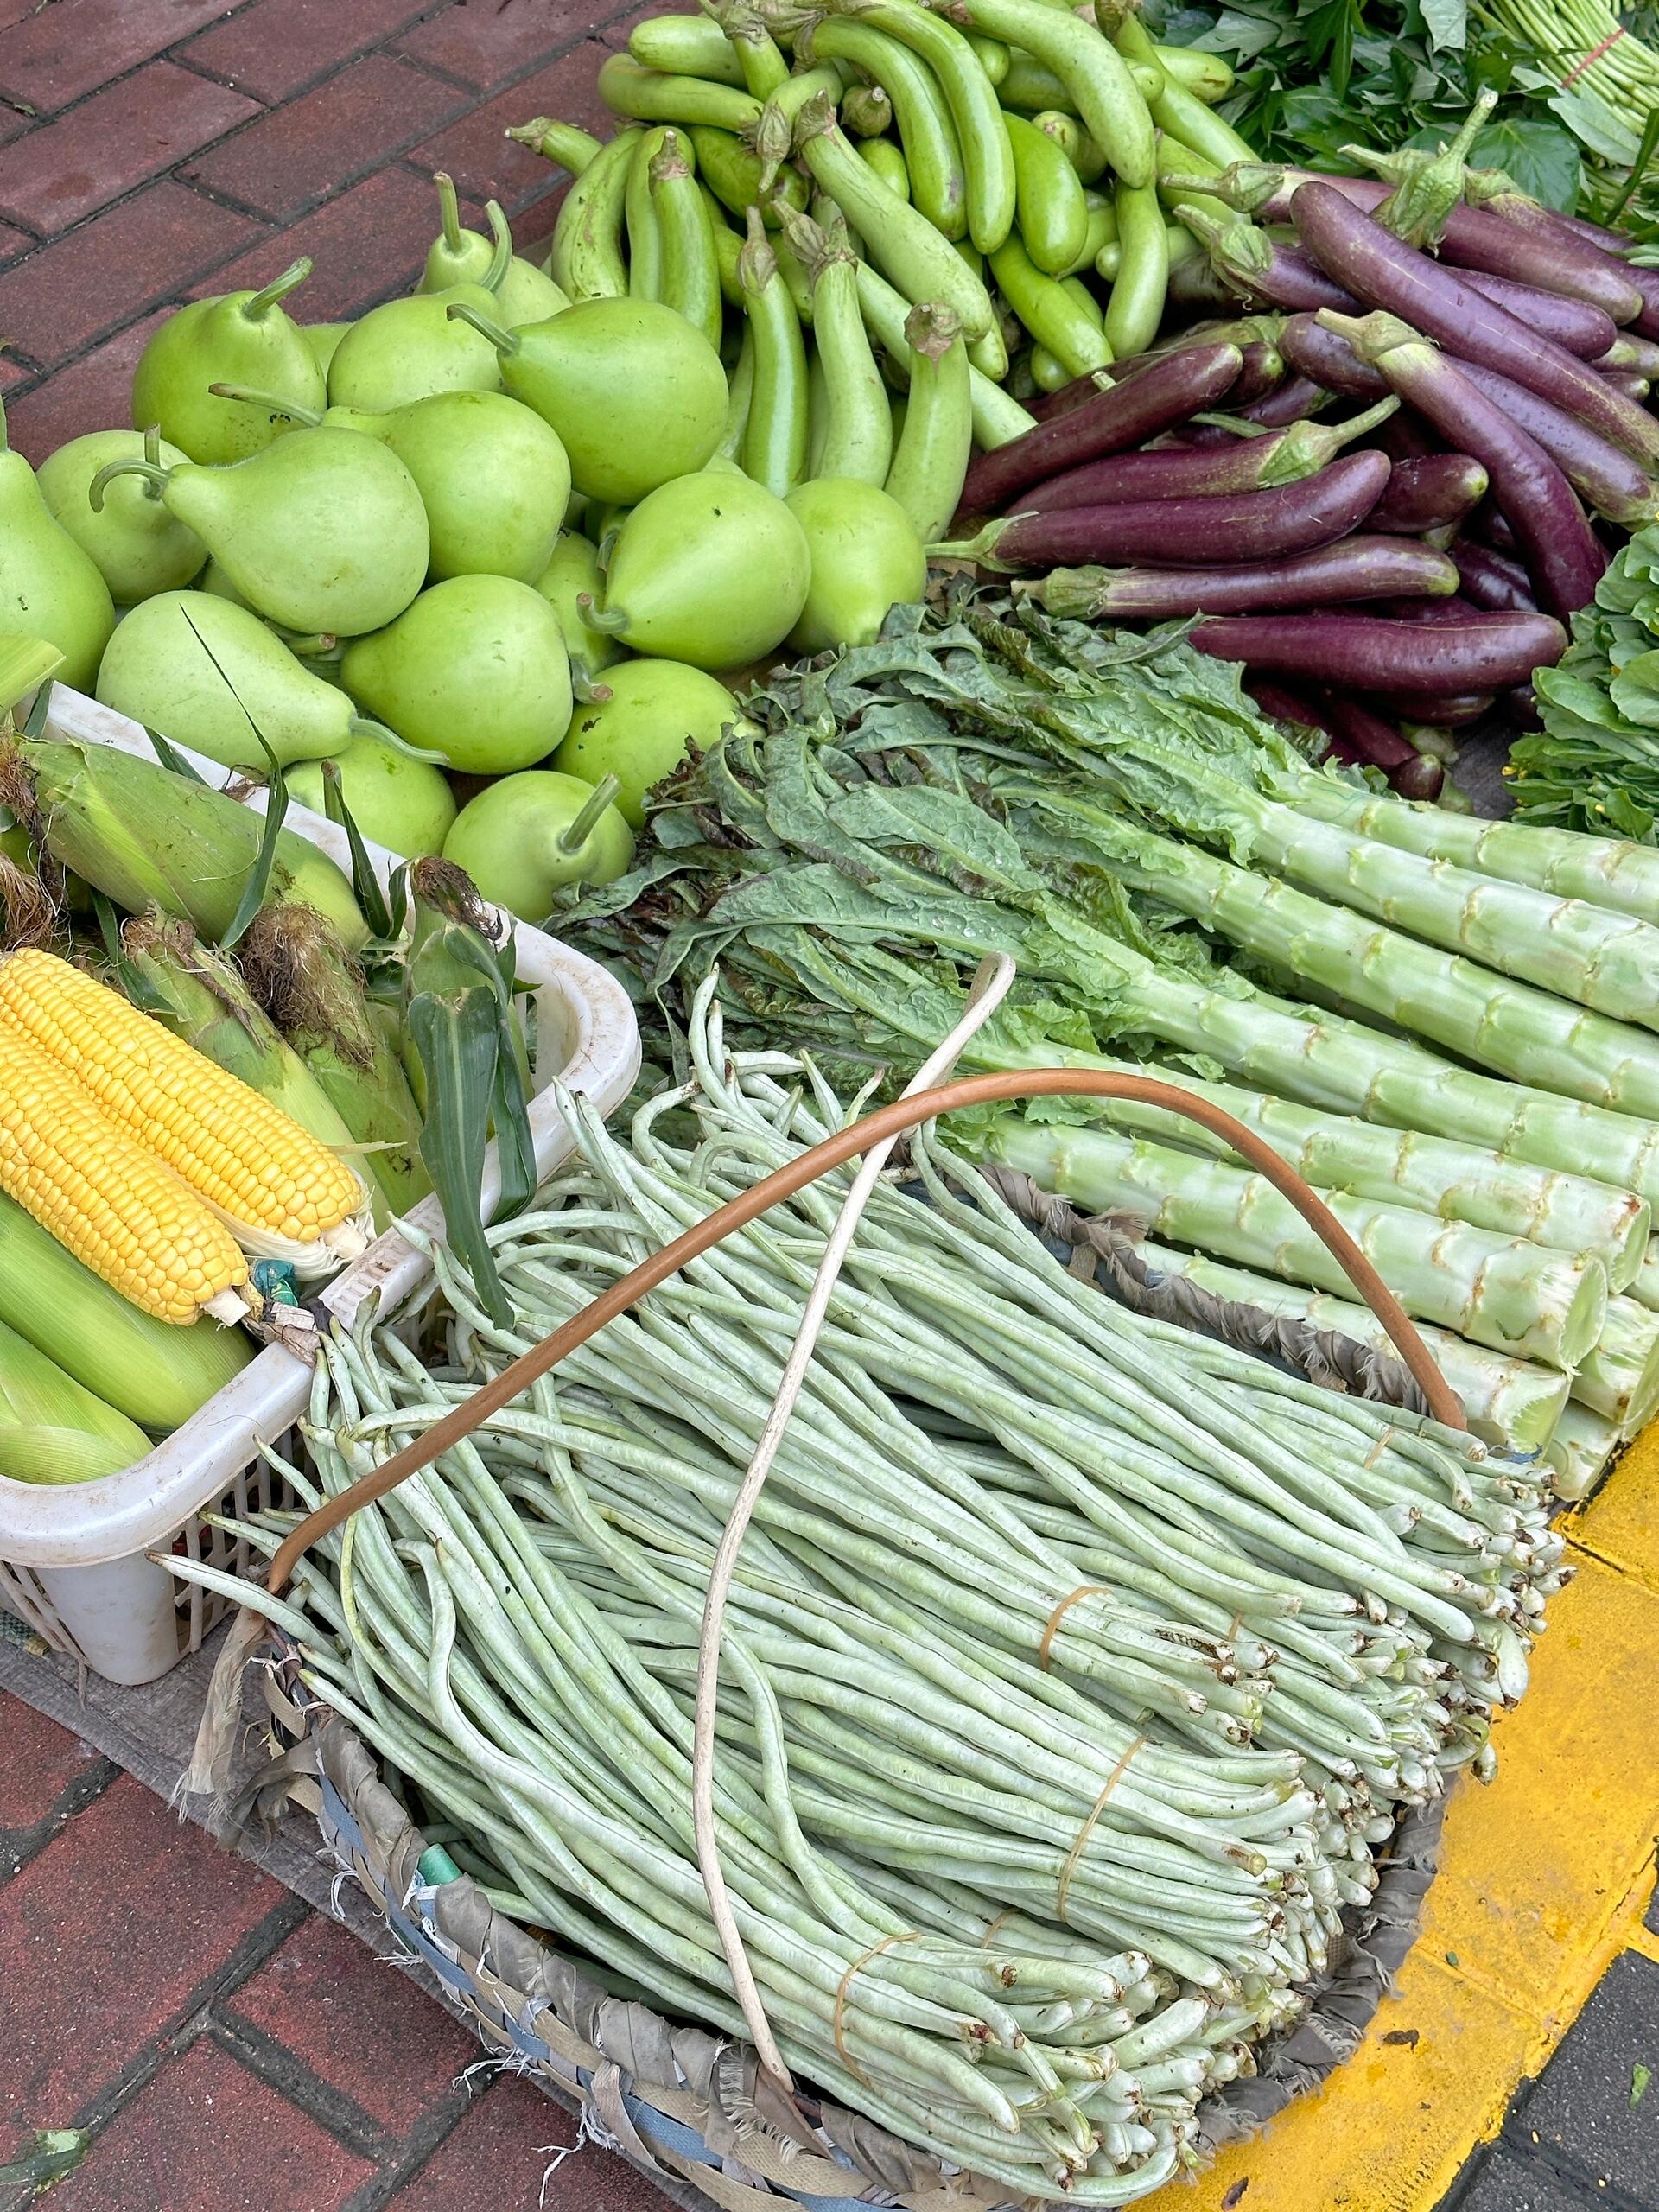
(87,1524)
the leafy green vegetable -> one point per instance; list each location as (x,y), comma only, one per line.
(1595,764)
(1313,80)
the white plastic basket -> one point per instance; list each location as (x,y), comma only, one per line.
(75,1561)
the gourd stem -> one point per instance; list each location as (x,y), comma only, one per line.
(294,410)
(449,212)
(363,726)
(501,259)
(607,621)
(576,833)
(153,456)
(152,471)
(260,306)
(504,341)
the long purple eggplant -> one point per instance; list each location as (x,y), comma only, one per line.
(1491,526)
(1114,420)
(1358,736)
(1633,387)
(1189,533)
(1356,568)
(1325,357)
(1430,493)
(1492,579)
(1614,484)
(1451,710)
(1257,268)
(1560,547)
(1574,324)
(1475,240)
(1372,263)
(1628,352)
(1213,470)
(1294,400)
(1047,405)
(1603,249)
(1491,655)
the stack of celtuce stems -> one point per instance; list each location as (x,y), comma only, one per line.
(988,780)
(1075,1666)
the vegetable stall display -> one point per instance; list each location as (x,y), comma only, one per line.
(1020,1877)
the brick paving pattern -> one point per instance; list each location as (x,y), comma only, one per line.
(226,2047)
(154,150)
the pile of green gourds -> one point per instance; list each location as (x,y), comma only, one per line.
(521,523)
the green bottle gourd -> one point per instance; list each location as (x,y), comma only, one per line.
(322,532)
(139,547)
(401,803)
(528,836)
(239,338)
(474,673)
(572,573)
(711,569)
(656,711)
(407,349)
(209,674)
(323,338)
(637,395)
(865,558)
(523,293)
(492,475)
(50,588)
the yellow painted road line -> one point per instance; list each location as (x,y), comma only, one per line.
(1544,1876)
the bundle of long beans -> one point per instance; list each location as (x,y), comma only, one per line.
(1075,1664)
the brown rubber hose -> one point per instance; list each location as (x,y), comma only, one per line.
(888,1121)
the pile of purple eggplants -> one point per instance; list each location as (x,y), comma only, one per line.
(1425,455)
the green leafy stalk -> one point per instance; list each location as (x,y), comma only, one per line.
(459,1015)
(1518,1298)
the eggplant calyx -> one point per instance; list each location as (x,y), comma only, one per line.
(1372,335)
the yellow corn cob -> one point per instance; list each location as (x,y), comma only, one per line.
(106,1198)
(274,1185)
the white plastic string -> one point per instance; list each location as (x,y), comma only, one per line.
(990,986)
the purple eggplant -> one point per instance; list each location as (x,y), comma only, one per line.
(1630,354)
(1122,416)
(1047,406)
(1614,484)
(1358,737)
(1491,526)
(1573,324)
(1371,261)
(1429,493)
(1633,387)
(1453,710)
(1325,357)
(1251,526)
(1355,568)
(1491,654)
(1521,706)
(1560,547)
(1212,470)
(1493,581)
(1476,240)
(1255,267)
(1589,244)
(1406,436)
(1293,401)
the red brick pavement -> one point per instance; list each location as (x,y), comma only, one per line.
(153,151)
(226,2047)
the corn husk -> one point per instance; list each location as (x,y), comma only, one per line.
(314,992)
(147,838)
(53,1429)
